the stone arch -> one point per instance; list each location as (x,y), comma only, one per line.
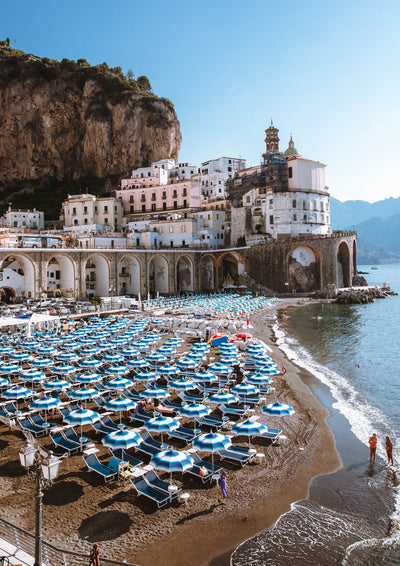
(18,272)
(7,295)
(207,273)
(184,274)
(60,275)
(159,270)
(129,275)
(97,276)
(343,265)
(304,267)
(230,266)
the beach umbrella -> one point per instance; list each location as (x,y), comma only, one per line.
(156,358)
(172,461)
(67,357)
(168,370)
(17,393)
(64,369)
(194,410)
(118,370)
(91,351)
(119,383)
(89,363)
(223,397)
(211,442)
(138,363)
(21,357)
(4,382)
(193,355)
(155,393)
(220,369)
(161,424)
(120,404)
(245,389)
(33,375)
(112,358)
(88,378)
(10,368)
(44,404)
(182,385)
(83,394)
(248,428)
(205,376)
(278,410)
(56,384)
(186,363)
(41,363)
(130,353)
(81,417)
(106,345)
(6,351)
(69,346)
(147,376)
(259,379)
(268,370)
(229,361)
(47,351)
(124,438)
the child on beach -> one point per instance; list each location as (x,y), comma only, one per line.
(373,441)
(389,450)
(222,487)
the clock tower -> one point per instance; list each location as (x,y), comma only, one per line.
(272,139)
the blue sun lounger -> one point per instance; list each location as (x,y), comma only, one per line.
(233,410)
(122,456)
(143,488)
(95,466)
(68,445)
(212,422)
(99,426)
(71,435)
(149,446)
(271,433)
(204,464)
(36,430)
(182,433)
(152,479)
(236,456)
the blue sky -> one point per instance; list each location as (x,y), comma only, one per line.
(327,72)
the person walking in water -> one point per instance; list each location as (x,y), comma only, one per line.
(389,450)
(373,441)
(222,487)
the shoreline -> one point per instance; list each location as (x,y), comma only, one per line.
(126,527)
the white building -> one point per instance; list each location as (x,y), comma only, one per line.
(88,213)
(23,219)
(214,174)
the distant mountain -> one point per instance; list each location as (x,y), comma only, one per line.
(345,215)
(377,225)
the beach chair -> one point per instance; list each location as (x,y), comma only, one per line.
(122,456)
(143,488)
(175,406)
(197,472)
(150,446)
(37,419)
(10,409)
(152,479)
(100,427)
(189,398)
(249,399)
(65,411)
(103,470)
(182,433)
(212,422)
(237,456)
(36,430)
(271,434)
(204,464)
(109,422)
(233,410)
(67,445)
(71,435)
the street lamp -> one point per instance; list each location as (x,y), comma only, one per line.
(44,470)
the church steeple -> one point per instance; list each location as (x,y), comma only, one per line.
(272,139)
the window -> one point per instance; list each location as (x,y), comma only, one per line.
(95,209)
(295,217)
(229,168)
(304,205)
(185,203)
(153,207)
(131,198)
(217,216)
(305,217)
(164,195)
(85,210)
(183,228)
(315,205)
(322,207)
(153,196)
(143,197)
(183,242)
(175,204)
(209,217)
(143,208)
(171,229)
(271,203)
(294,203)
(106,220)
(138,241)
(290,172)
(184,192)
(105,209)
(74,211)
(164,206)
(271,219)
(85,220)
(174,194)
(131,208)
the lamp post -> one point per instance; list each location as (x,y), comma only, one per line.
(44,470)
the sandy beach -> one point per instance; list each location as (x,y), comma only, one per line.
(80,509)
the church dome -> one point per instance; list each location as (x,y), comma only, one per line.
(291,150)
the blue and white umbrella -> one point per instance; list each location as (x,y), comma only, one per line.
(223,397)
(194,410)
(229,361)
(124,439)
(6,351)
(17,393)
(249,428)
(81,417)
(278,410)
(120,404)
(112,358)
(56,385)
(89,363)
(157,358)
(130,352)
(4,382)
(10,368)
(137,364)
(21,357)
(220,369)
(44,404)
(182,385)
(83,394)
(211,442)
(118,370)
(33,375)
(67,357)
(47,351)
(172,461)
(119,383)
(147,376)
(161,424)
(245,389)
(267,370)
(168,370)
(41,363)
(69,346)
(259,379)
(90,351)
(64,369)
(88,378)
(155,393)
(205,376)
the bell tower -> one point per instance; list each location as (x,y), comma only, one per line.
(272,139)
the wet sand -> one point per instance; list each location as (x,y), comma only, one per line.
(80,509)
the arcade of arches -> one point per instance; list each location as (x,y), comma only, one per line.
(86,273)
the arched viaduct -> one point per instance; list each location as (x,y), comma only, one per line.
(308,263)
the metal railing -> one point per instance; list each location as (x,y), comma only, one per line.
(24,541)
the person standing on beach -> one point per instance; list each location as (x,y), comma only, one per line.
(222,487)
(373,441)
(389,450)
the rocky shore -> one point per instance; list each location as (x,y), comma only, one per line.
(362,295)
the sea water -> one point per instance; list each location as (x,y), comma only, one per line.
(352,516)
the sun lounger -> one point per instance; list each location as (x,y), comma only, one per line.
(212,422)
(36,430)
(37,419)
(143,488)
(233,410)
(152,479)
(196,471)
(99,426)
(150,446)
(122,456)
(271,433)
(102,400)
(183,433)
(174,406)
(189,398)
(68,445)
(238,457)
(71,435)
(10,409)
(109,423)
(204,464)
(95,466)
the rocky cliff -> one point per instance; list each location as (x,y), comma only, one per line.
(67,126)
